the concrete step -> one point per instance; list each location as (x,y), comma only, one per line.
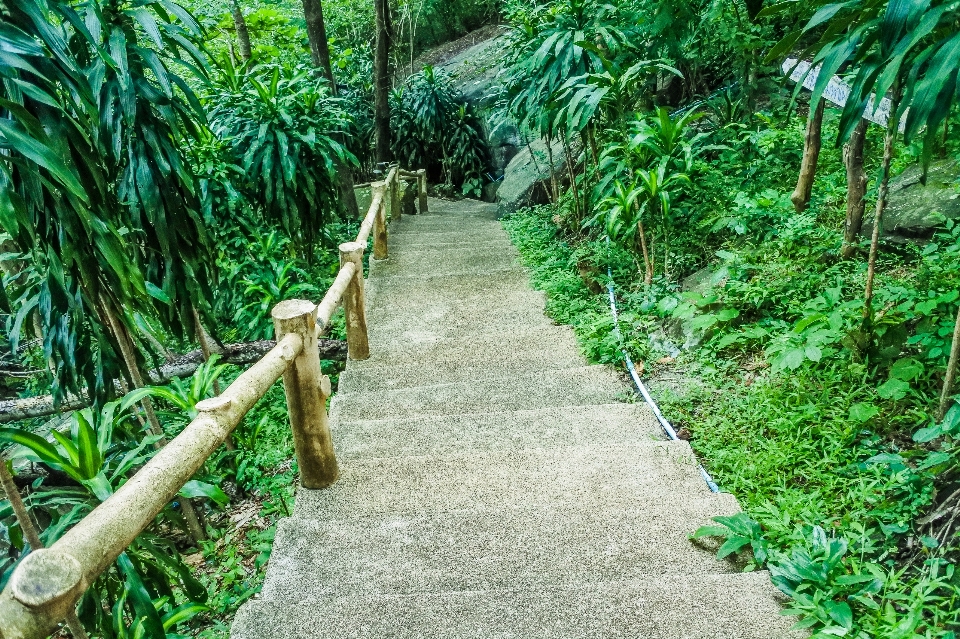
(465,208)
(414,243)
(486,550)
(437,345)
(466,221)
(729,606)
(446,261)
(510,286)
(472,320)
(417,366)
(604,425)
(543,389)
(640,477)
(403,233)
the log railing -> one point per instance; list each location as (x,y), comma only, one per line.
(48,583)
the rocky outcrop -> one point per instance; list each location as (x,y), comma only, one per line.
(476,73)
(915,210)
(526,178)
(520,172)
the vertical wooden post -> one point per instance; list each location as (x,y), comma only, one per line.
(358,347)
(422,182)
(380,222)
(307,390)
(395,208)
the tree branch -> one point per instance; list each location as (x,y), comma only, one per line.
(12,410)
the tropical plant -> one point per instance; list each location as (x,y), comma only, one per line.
(433,128)
(93,186)
(656,159)
(285,120)
(96,453)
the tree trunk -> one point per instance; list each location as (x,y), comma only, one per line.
(888,140)
(647,262)
(12,410)
(31,534)
(573,180)
(554,189)
(206,348)
(125,341)
(320,51)
(811,153)
(856,188)
(243,35)
(381,81)
(951,375)
(317,35)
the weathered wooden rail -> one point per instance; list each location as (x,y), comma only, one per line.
(48,583)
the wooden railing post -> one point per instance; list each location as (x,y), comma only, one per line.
(422,183)
(307,390)
(394,186)
(358,347)
(380,222)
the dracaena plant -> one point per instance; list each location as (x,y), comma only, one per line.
(434,128)
(282,120)
(93,455)
(93,185)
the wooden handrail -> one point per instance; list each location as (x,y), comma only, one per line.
(48,583)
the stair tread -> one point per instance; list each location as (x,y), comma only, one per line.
(639,475)
(541,389)
(480,550)
(734,606)
(425,347)
(605,424)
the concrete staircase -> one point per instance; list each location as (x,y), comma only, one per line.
(492,483)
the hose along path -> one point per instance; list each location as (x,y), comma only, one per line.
(667,428)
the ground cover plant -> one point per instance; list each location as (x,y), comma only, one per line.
(844,469)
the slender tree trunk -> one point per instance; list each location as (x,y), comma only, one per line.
(666,244)
(856,188)
(320,51)
(573,179)
(317,35)
(811,154)
(951,375)
(647,262)
(888,141)
(243,35)
(554,189)
(31,535)
(381,81)
(190,515)
(204,338)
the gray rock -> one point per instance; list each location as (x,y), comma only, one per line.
(915,210)
(705,279)
(525,180)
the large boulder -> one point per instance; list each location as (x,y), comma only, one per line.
(520,171)
(476,73)
(526,178)
(915,210)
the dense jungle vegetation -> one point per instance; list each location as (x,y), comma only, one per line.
(169,171)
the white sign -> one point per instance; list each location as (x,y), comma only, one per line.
(837,91)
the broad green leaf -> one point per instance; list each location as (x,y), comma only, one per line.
(732,545)
(862,412)
(194,488)
(142,603)
(893,389)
